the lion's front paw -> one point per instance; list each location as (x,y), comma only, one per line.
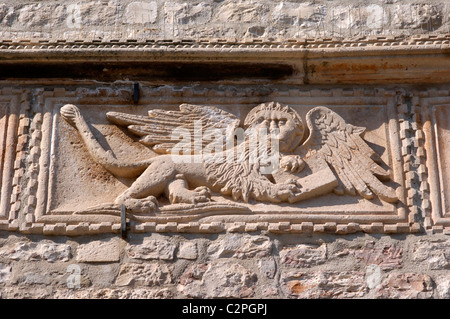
(199,195)
(292,163)
(283,191)
(141,206)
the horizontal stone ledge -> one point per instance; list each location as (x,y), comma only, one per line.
(192,49)
(384,64)
(215,227)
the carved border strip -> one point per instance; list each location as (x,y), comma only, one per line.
(426,40)
(32,163)
(413,155)
(9,140)
(435,218)
(36,222)
(19,165)
(276,227)
(15,140)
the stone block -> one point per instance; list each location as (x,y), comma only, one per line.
(35,278)
(33,251)
(405,286)
(443,286)
(241,11)
(240,246)
(140,12)
(435,254)
(188,250)
(304,255)
(136,293)
(154,274)
(99,251)
(186,13)
(267,267)
(324,284)
(5,273)
(387,256)
(221,280)
(152,249)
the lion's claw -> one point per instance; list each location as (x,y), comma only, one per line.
(141,206)
(199,195)
(282,192)
(292,163)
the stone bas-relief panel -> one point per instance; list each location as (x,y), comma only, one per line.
(13,127)
(434,109)
(340,168)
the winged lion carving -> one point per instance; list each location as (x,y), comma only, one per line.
(347,165)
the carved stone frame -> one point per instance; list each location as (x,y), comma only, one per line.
(43,137)
(429,105)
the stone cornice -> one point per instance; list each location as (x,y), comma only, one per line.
(369,45)
(408,60)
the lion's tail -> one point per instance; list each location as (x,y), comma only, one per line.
(105,158)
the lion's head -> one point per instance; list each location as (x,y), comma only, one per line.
(272,116)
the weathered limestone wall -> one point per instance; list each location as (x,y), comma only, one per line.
(228,19)
(39,262)
(254,265)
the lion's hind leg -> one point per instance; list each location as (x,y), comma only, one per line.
(178,192)
(141,197)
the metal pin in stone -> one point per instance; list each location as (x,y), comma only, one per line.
(123,221)
(136,93)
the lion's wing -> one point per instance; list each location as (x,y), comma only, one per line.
(156,129)
(342,147)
